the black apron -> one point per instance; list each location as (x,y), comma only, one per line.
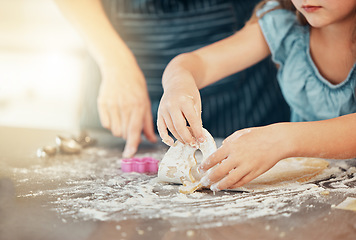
(158,30)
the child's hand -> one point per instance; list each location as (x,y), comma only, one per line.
(180,104)
(245,155)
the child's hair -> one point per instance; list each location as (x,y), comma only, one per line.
(288,5)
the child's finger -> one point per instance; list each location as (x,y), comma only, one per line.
(194,121)
(236,135)
(162,130)
(252,175)
(244,180)
(181,128)
(219,155)
(221,170)
(233,177)
(171,128)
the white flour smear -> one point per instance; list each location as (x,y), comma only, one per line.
(92,187)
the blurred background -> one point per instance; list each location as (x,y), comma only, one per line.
(41,66)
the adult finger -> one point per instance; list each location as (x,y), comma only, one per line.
(116,127)
(134,133)
(162,130)
(125,116)
(148,129)
(103,115)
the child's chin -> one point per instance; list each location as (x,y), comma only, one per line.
(316,21)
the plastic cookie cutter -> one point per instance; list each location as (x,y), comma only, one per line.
(140,165)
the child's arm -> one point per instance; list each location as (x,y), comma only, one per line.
(189,72)
(248,153)
(332,139)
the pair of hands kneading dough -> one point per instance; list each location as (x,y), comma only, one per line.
(179,165)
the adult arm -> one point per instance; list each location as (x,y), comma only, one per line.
(123,102)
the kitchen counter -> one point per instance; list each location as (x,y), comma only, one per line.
(87,196)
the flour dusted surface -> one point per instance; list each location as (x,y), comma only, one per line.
(92,187)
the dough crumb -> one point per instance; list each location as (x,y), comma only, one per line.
(324,193)
(190,233)
(348,204)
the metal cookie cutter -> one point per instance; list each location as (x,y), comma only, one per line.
(46,151)
(73,145)
(140,165)
(84,139)
(68,145)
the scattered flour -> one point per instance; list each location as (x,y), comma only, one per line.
(92,187)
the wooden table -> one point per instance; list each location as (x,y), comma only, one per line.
(39,200)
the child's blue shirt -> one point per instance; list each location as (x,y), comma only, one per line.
(310,96)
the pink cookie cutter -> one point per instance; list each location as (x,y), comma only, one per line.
(140,165)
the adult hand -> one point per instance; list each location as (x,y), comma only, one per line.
(124,105)
(245,155)
(180,104)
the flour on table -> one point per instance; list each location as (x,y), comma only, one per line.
(92,187)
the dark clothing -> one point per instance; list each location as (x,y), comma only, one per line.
(156,31)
